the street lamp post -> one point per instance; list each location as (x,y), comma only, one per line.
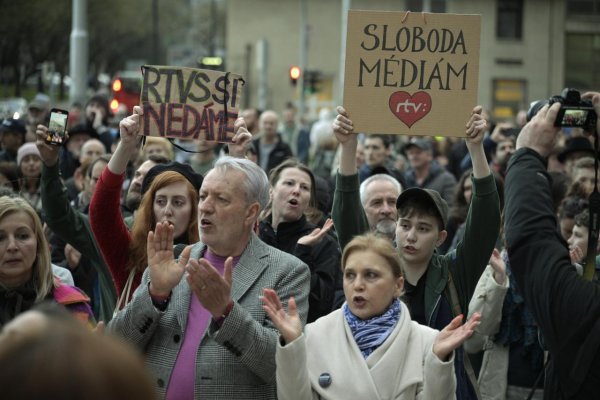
(78,52)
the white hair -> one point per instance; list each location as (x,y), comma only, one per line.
(375,178)
(256,184)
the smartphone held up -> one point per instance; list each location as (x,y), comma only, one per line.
(57,127)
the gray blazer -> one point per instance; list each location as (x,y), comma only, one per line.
(236,361)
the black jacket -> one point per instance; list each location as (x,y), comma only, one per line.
(323,259)
(566,307)
(279,154)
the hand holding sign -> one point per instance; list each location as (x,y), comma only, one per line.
(130,127)
(240,140)
(476,127)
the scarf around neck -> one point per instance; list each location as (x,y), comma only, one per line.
(369,334)
(14,301)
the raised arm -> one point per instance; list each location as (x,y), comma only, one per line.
(476,127)
(68,223)
(483,219)
(106,220)
(347,212)
(565,306)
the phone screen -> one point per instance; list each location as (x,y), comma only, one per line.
(57,127)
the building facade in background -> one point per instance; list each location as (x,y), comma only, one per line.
(530,49)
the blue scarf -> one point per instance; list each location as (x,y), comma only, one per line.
(371,333)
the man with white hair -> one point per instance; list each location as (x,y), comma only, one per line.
(378,195)
(199,319)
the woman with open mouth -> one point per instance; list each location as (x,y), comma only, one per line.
(389,355)
(285,226)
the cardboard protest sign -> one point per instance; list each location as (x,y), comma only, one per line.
(189,103)
(413,74)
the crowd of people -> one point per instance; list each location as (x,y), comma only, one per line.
(298,261)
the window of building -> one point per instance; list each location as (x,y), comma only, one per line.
(434,6)
(509,19)
(508,98)
(583,7)
(582,61)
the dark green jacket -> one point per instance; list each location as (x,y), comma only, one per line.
(73,227)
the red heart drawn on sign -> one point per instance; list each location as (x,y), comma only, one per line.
(409,109)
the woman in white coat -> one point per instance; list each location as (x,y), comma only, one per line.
(370,348)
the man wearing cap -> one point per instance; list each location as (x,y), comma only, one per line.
(38,112)
(425,172)
(12,136)
(438,287)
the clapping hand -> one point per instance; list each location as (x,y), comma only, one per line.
(454,335)
(165,272)
(288,324)
(317,234)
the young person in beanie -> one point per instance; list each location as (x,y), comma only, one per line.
(30,171)
(438,288)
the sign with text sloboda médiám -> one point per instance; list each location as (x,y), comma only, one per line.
(411,74)
(189,103)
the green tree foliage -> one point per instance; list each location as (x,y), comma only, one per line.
(37,31)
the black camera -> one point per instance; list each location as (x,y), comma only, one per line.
(574,112)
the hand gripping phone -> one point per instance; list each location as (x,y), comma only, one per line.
(57,127)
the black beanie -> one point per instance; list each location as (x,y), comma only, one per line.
(184,169)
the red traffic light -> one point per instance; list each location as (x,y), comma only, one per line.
(116,86)
(295,73)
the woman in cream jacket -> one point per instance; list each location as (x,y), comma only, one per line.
(370,348)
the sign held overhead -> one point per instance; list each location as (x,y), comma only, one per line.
(411,73)
(189,103)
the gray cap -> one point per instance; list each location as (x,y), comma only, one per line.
(40,102)
(423,144)
(426,195)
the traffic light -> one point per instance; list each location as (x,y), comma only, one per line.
(294,74)
(312,80)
